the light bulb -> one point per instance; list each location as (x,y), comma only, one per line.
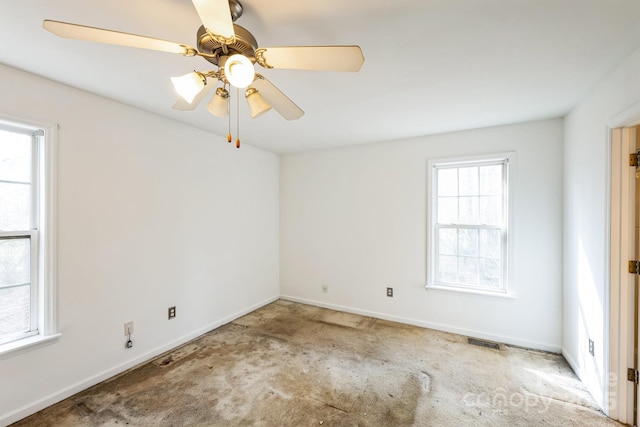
(189,85)
(239,71)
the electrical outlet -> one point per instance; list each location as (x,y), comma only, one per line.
(591,349)
(172,312)
(325,288)
(128,329)
(390,292)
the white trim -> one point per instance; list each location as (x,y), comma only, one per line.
(14,348)
(612,319)
(37,187)
(35,286)
(572,363)
(48,230)
(60,395)
(24,125)
(627,193)
(20,233)
(537,345)
(472,291)
(627,118)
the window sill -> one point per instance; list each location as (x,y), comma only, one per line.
(478,292)
(26,344)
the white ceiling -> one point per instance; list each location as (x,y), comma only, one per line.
(431,66)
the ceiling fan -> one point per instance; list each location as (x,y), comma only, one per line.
(234,51)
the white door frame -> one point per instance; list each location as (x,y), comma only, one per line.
(621,242)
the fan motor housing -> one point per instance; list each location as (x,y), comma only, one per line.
(244,44)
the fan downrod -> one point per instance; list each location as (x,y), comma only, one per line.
(244,43)
(236,9)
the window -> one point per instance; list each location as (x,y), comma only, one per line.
(469,224)
(26,235)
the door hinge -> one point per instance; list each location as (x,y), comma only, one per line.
(634,267)
(632,375)
(634,159)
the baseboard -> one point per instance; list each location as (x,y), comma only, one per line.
(580,374)
(535,345)
(67,392)
(572,363)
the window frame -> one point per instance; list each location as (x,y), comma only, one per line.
(42,234)
(507,228)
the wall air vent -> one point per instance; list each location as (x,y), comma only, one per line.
(482,343)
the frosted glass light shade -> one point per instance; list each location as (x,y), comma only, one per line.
(219,104)
(257,105)
(189,85)
(239,71)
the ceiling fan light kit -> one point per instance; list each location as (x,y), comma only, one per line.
(219,104)
(234,51)
(239,71)
(189,85)
(257,105)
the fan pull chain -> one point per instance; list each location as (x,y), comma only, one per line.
(229,138)
(238,118)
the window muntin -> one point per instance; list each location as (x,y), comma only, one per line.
(469,224)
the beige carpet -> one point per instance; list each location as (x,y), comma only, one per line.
(289,364)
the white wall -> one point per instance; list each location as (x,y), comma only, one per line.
(586,255)
(151,214)
(354,219)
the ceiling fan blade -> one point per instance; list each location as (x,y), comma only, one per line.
(100,35)
(216,17)
(182,105)
(325,58)
(278,100)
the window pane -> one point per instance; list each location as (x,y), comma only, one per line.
(447,210)
(447,269)
(489,272)
(489,244)
(15,301)
(15,262)
(491,210)
(468,210)
(468,271)
(447,182)
(468,181)
(468,242)
(15,204)
(448,241)
(15,306)
(491,180)
(15,157)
